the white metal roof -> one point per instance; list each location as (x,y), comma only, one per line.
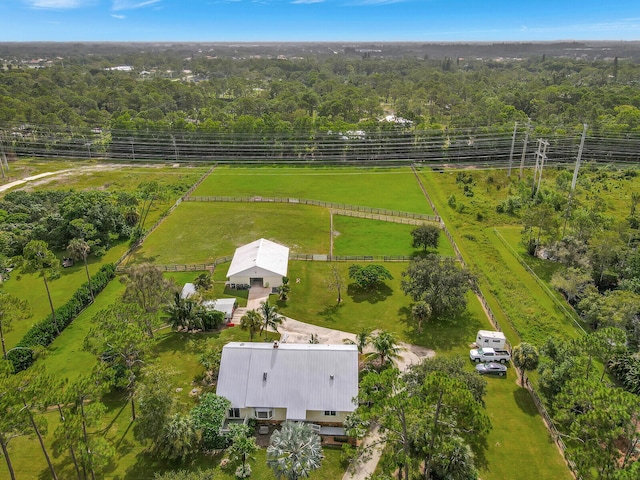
(298,377)
(188,290)
(224,305)
(261,254)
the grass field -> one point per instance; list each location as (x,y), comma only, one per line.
(532,313)
(391,188)
(200,232)
(359,236)
(517,448)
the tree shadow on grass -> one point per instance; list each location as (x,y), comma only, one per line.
(525,402)
(330,312)
(445,333)
(479,447)
(377,293)
(147,463)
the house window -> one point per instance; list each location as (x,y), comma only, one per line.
(329,413)
(234,413)
(264,413)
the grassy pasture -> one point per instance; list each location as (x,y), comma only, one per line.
(518,446)
(359,236)
(521,299)
(390,188)
(200,232)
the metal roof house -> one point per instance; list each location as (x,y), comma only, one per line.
(299,382)
(262,263)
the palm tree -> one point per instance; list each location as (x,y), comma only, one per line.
(525,357)
(39,259)
(386,348)
(283,291)
(362,340)
(271,317)
(294,451)
(79,249)
(183,312)
(251,321)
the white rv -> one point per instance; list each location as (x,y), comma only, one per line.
(489,339)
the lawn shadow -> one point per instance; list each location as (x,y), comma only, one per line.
(445,333)
(525,402)
(147,462)
(480,447)
(377,293)
(329,312)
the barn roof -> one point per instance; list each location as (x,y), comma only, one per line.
(263,254)
(298,377)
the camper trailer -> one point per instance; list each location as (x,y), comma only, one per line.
(489,339)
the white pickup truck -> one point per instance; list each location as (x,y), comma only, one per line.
(489,355)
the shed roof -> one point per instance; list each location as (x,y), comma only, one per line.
(224,305)
(298,377)
(188,290)
(262,253)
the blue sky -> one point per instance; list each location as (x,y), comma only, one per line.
(318,20)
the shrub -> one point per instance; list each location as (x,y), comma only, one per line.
(44,332)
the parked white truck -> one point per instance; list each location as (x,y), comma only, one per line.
(489,339)
(489,355)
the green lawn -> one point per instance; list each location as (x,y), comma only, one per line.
(518,447)
(201,232)
(390,188)
(31,288)
(360,236)
(532,313)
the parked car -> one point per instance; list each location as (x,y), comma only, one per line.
(489,355)
(491,368)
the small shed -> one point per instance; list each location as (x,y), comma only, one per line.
(224,305)
(188,290)
(261,264)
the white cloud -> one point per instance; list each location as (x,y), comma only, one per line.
(58,4)
(132,4)
(119,17)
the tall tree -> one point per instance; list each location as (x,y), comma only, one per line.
(154,394)
(242,447)
(596,417)
(11,308)
(39,259)
(525,357)
(438,281)
(147,287)
(335,281)
(425,236)
(208,417)
(79,249)
(253,322)
(13,420)
(270,316)
(369,276)
(121,344)
(421,312)
(386,348)
(294,451)
(284,289)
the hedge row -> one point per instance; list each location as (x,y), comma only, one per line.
(44,332)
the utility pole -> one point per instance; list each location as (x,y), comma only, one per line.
(524,148)
(541,156)
(513,145)
(575,178)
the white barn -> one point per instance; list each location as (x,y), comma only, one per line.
(278,382)
(262,264)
